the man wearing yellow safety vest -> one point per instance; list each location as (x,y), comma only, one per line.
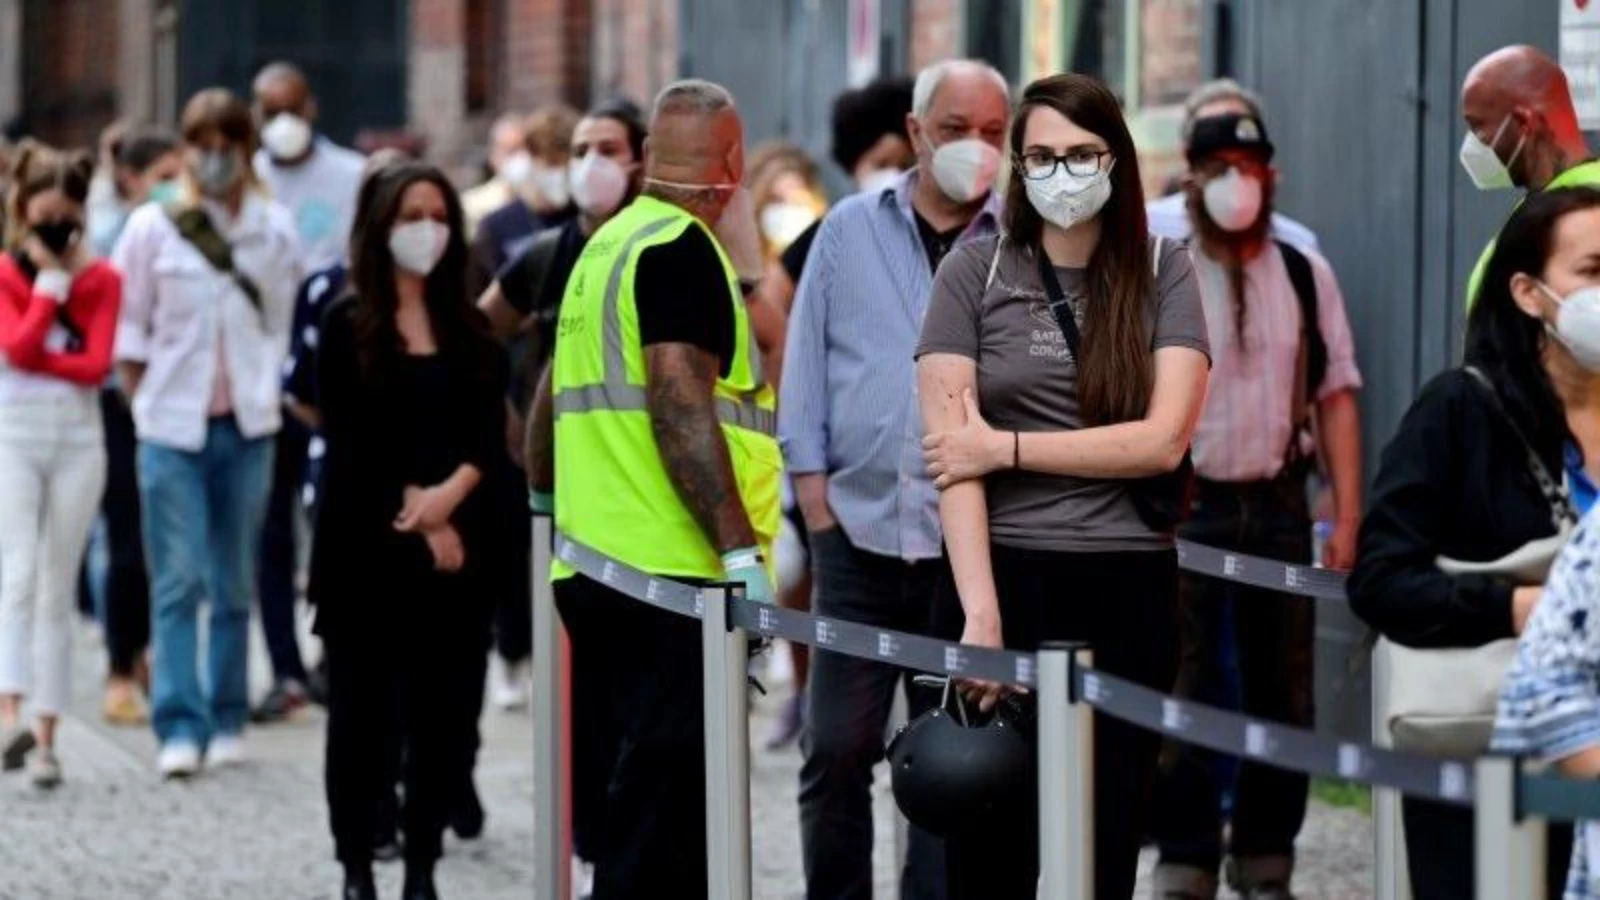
(1522,131)
(665,461)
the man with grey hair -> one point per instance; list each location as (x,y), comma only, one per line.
(1168,216)
(665,462)
(852,437)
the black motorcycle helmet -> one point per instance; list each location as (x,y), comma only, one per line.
(956,773)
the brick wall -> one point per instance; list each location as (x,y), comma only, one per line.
(546,52)
(935,31)
(436,79)
(635,50)
(1170,67)
(69,70)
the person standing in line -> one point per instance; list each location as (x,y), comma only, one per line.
(664,461)
(1281,400)
(58,318)
(870,143)
(1048,513)
(1522,131)
(208,288)
(541,196)
(506,138)
(149,165)
(409,390)
(848,421)
(1456,482)
(1169,215)
(317,180)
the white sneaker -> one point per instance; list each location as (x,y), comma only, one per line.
(509,690)
(178,759)
(226,750)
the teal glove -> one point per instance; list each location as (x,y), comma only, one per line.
(541,503)
(745,566)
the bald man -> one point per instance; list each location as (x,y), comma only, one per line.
(316,178)
(1522,131)
(318,181)
(653,381)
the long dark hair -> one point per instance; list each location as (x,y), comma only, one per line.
(1507,343)
(458,327)
(1115,375)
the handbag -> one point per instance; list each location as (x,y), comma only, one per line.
(1442,702)
(1161,500)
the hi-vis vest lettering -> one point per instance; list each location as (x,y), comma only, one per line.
(612,489)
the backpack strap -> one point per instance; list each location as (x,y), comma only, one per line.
(1304,281)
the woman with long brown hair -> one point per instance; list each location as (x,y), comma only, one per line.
(409,388)
(1083,342)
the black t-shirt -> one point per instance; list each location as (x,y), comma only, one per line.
(681,293)
(518,277)
(794,256)
(936,244)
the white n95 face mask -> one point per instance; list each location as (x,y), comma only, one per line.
(1233,200)
(1577,326)
(517,170)
(418,246)
(965,169)
(782,222)
(1483,165)
(550,185)
(880,181)
(598,184)
(1066,200)
(287,136)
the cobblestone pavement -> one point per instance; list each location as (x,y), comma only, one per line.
(115,831)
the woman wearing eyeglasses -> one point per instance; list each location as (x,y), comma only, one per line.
(1040,430)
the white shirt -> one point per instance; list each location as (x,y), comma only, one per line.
(321,195)
(180,315)
(1169,218)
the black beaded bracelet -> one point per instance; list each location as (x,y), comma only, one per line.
(1016,449)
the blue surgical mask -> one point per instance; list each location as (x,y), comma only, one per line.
(166,192)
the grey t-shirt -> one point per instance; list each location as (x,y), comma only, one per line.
(1027,381)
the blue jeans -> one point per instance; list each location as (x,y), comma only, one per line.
(202,514)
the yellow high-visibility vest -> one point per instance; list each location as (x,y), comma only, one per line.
(613,494)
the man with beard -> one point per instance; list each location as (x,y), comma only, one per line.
(1281,400)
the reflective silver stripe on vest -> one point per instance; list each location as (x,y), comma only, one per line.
(616,366)
(631,398)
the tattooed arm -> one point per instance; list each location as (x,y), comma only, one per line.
(679,395)
(539,444)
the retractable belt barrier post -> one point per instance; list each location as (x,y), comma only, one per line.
(1066,776)
(727,747)
(1510,856)
(551,747)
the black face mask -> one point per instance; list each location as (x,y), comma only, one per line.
(58,235)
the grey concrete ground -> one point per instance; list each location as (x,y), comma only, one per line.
(115,831)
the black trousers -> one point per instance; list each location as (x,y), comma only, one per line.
(594,733)
(513,623)
(127,583)
(1273,634)
(406,680)
(1440,851)
(1124,605)
(643,667)
(847,712)
(275,591)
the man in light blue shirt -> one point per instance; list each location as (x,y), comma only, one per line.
(1224,96)
(852,435)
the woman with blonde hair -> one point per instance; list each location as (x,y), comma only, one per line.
(58,315)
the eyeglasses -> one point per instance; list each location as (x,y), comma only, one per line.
(1037,165)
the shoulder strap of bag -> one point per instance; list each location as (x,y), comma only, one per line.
(994,261)
(197,228)
(1062,310)
(1561,508)
(1305,291)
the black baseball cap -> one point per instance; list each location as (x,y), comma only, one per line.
(1232,131)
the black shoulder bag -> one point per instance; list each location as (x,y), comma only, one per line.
(1161,500)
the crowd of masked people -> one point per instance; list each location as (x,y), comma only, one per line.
(978,397)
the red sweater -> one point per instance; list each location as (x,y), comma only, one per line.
(26,317)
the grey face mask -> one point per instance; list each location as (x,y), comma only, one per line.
(217,172)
